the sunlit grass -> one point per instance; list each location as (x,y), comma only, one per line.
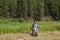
(49,25)
(16,26)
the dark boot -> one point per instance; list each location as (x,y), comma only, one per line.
(36,34)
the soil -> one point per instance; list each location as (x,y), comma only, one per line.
(55,35)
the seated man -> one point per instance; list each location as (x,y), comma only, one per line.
(35,29)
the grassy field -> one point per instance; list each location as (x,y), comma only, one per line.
(13,26)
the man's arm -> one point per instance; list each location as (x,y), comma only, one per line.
(38,26)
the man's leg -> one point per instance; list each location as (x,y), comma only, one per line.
(36,32)
(32,32)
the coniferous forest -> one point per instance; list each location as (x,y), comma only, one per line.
(30,9)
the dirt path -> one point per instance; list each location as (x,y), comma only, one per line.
(26,36)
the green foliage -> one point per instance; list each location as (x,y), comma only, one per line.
(29,9)
(16,27)
(21,20)
(4,20)
(49,26)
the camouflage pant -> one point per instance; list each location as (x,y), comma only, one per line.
(35,31)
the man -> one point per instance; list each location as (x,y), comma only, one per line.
(35,29)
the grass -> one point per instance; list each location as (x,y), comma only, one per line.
(13,26)
(49,25)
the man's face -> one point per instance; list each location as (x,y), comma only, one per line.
(35,22)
